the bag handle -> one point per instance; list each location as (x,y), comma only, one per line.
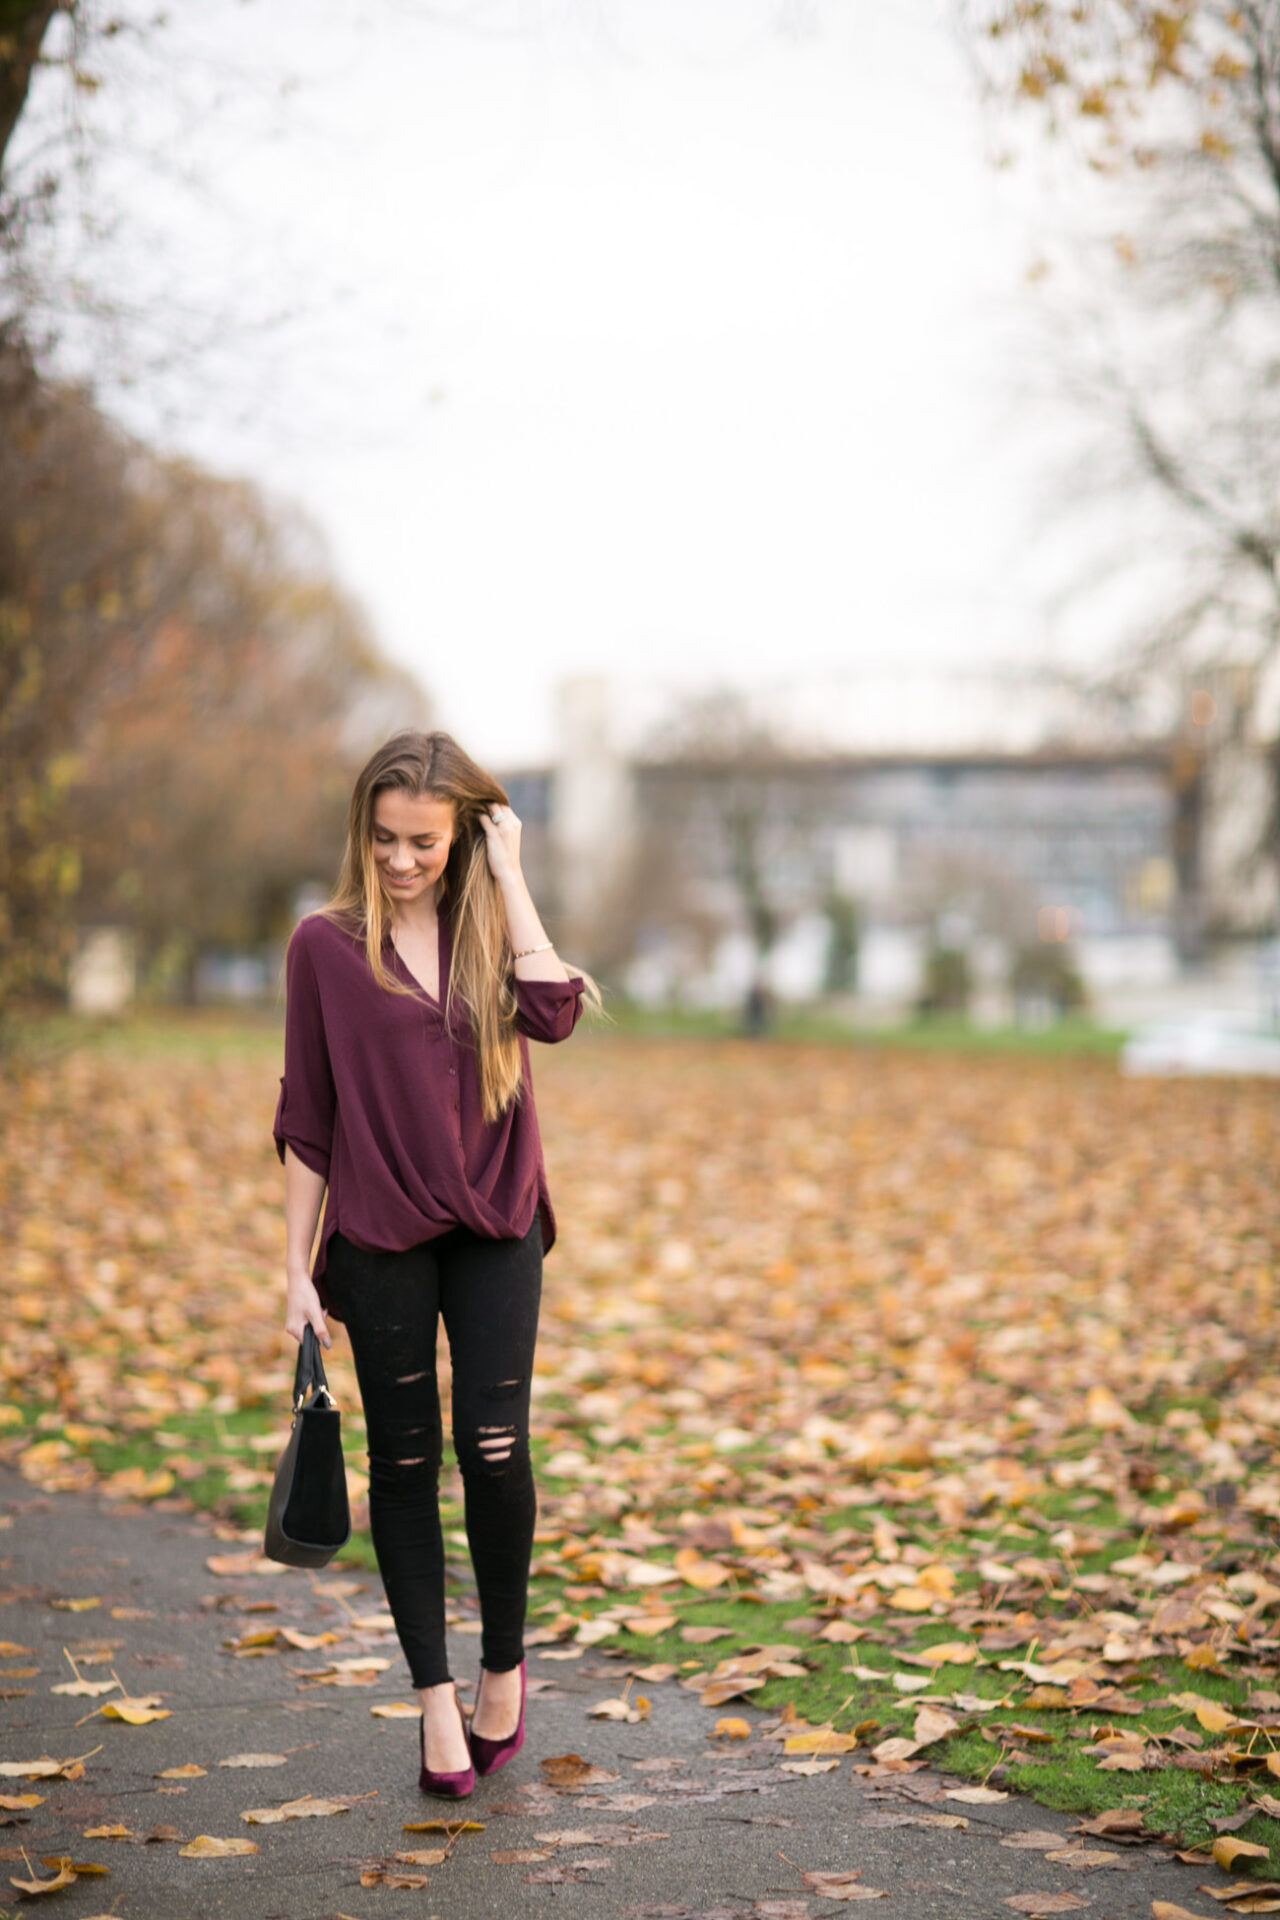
(310,1375)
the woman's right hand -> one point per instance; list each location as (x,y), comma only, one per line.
(303,1309)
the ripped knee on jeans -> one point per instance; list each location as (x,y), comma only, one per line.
(496,1444)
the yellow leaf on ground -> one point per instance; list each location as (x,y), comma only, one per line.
(808,1767)
(443,1826)
(956,1653)
(823,1740)
(731,1727)
(255,1760)
(424,1857)
(206,1846)
(1216,1719)
(64,1878)
(912,1599)
(699,1572)
(21,1802)
(650,1625)
(76,1606)
(135,1713)
(1227,1851)
(395,1710)
(190,1772)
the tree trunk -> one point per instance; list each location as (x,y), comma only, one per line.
(22,29)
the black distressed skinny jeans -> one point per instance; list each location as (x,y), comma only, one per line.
(488,1292)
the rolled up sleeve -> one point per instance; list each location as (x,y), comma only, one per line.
(307,1103)
(548,1010)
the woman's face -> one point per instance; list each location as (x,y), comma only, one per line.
(411,842)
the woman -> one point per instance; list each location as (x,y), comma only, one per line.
(407,1094)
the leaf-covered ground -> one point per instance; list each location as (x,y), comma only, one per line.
(927,1404)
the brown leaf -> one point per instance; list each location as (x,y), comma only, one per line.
(1038,1903)
(306,1808)
(731,1687)
(519,1856)
(617,1709)
(387,1877)
(840,1886)
(1113,1820)
(1081,1858)
(571,1770)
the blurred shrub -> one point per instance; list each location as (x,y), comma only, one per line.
(1044,976)
(948,981)
(842,950)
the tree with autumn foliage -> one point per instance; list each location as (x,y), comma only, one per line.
(184,693)
(1166,117)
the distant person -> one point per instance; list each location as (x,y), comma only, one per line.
(407,1093)
(757,1012)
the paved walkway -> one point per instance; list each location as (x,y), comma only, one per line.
(678,1826)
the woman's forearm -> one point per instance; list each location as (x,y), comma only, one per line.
(303,1199)
(526,930)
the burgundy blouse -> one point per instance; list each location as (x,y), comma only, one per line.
(383,1100)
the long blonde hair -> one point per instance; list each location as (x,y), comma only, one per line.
(481,973)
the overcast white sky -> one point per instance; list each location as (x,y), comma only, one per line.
(673,338)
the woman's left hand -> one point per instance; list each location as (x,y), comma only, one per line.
(502,833)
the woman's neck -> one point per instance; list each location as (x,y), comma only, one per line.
(416,916)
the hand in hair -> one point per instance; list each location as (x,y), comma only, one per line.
(502,834)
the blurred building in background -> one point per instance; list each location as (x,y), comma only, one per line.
(1044,862)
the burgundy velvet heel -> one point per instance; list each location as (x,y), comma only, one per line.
(489,1755)
(448,1786)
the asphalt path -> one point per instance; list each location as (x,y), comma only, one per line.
(670,1824)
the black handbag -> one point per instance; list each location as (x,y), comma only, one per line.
(309,1519)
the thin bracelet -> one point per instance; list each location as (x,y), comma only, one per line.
(546,947)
